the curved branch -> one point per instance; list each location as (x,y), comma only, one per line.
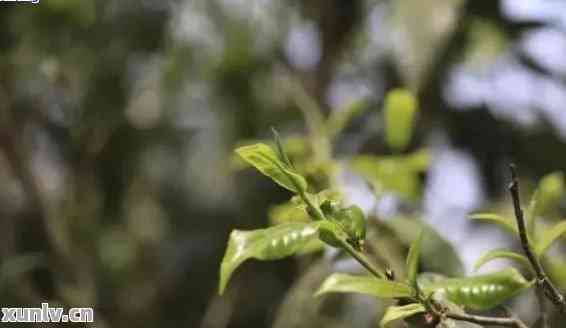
(543,282)
(480,320)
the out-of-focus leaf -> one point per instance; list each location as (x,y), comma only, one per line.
(398,174)
(394,313)
(419,161)
(550,190)
(501,253)
(413,260)
(437,254)
(263,158)
(400,109)
(339,119)
(545,198)
(265,244)
(497,219)
(481,292)
(345,283)
(556,270)
(549,237)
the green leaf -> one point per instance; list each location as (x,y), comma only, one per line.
(399,174)
(280,150)
(352,222)
(263,158)
(437,254)
(501,253)
(332,234)
(545,199)
(556,269)
(497,219)
(394,313)
(265,244)
(413,260)
(287,212)
(345,283)
(419,161)
(400,110)
(549,237)
(481,292)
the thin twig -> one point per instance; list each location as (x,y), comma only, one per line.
(542,280)
(362,259)
(481,320)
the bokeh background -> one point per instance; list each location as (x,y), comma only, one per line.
(118,120)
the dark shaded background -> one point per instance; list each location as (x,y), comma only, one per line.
(117,121)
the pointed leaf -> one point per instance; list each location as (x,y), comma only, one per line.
(545,198)
(344,283)
(501,253)
(263,158)
(265,244)
(549,237)
(437,254)
(497,219)
(400,110)
(481,292)
(394,313)
(280,150)
(413,260)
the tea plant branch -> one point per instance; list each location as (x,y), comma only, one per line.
(481,320)
(362,259)
(437,310)
(542,280)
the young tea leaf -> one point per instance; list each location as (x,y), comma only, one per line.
(266,244)
(280,150)
(263,158)
(394,313)
(549,237)
(481,292)
(502,253)
(345,283)
(497,219)
(545,198)
(400,109)
(352,221)
(413,260)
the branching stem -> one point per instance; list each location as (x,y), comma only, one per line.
(362,259)
(481,320)
(542,280)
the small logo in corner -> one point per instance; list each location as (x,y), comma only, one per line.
(34,2)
